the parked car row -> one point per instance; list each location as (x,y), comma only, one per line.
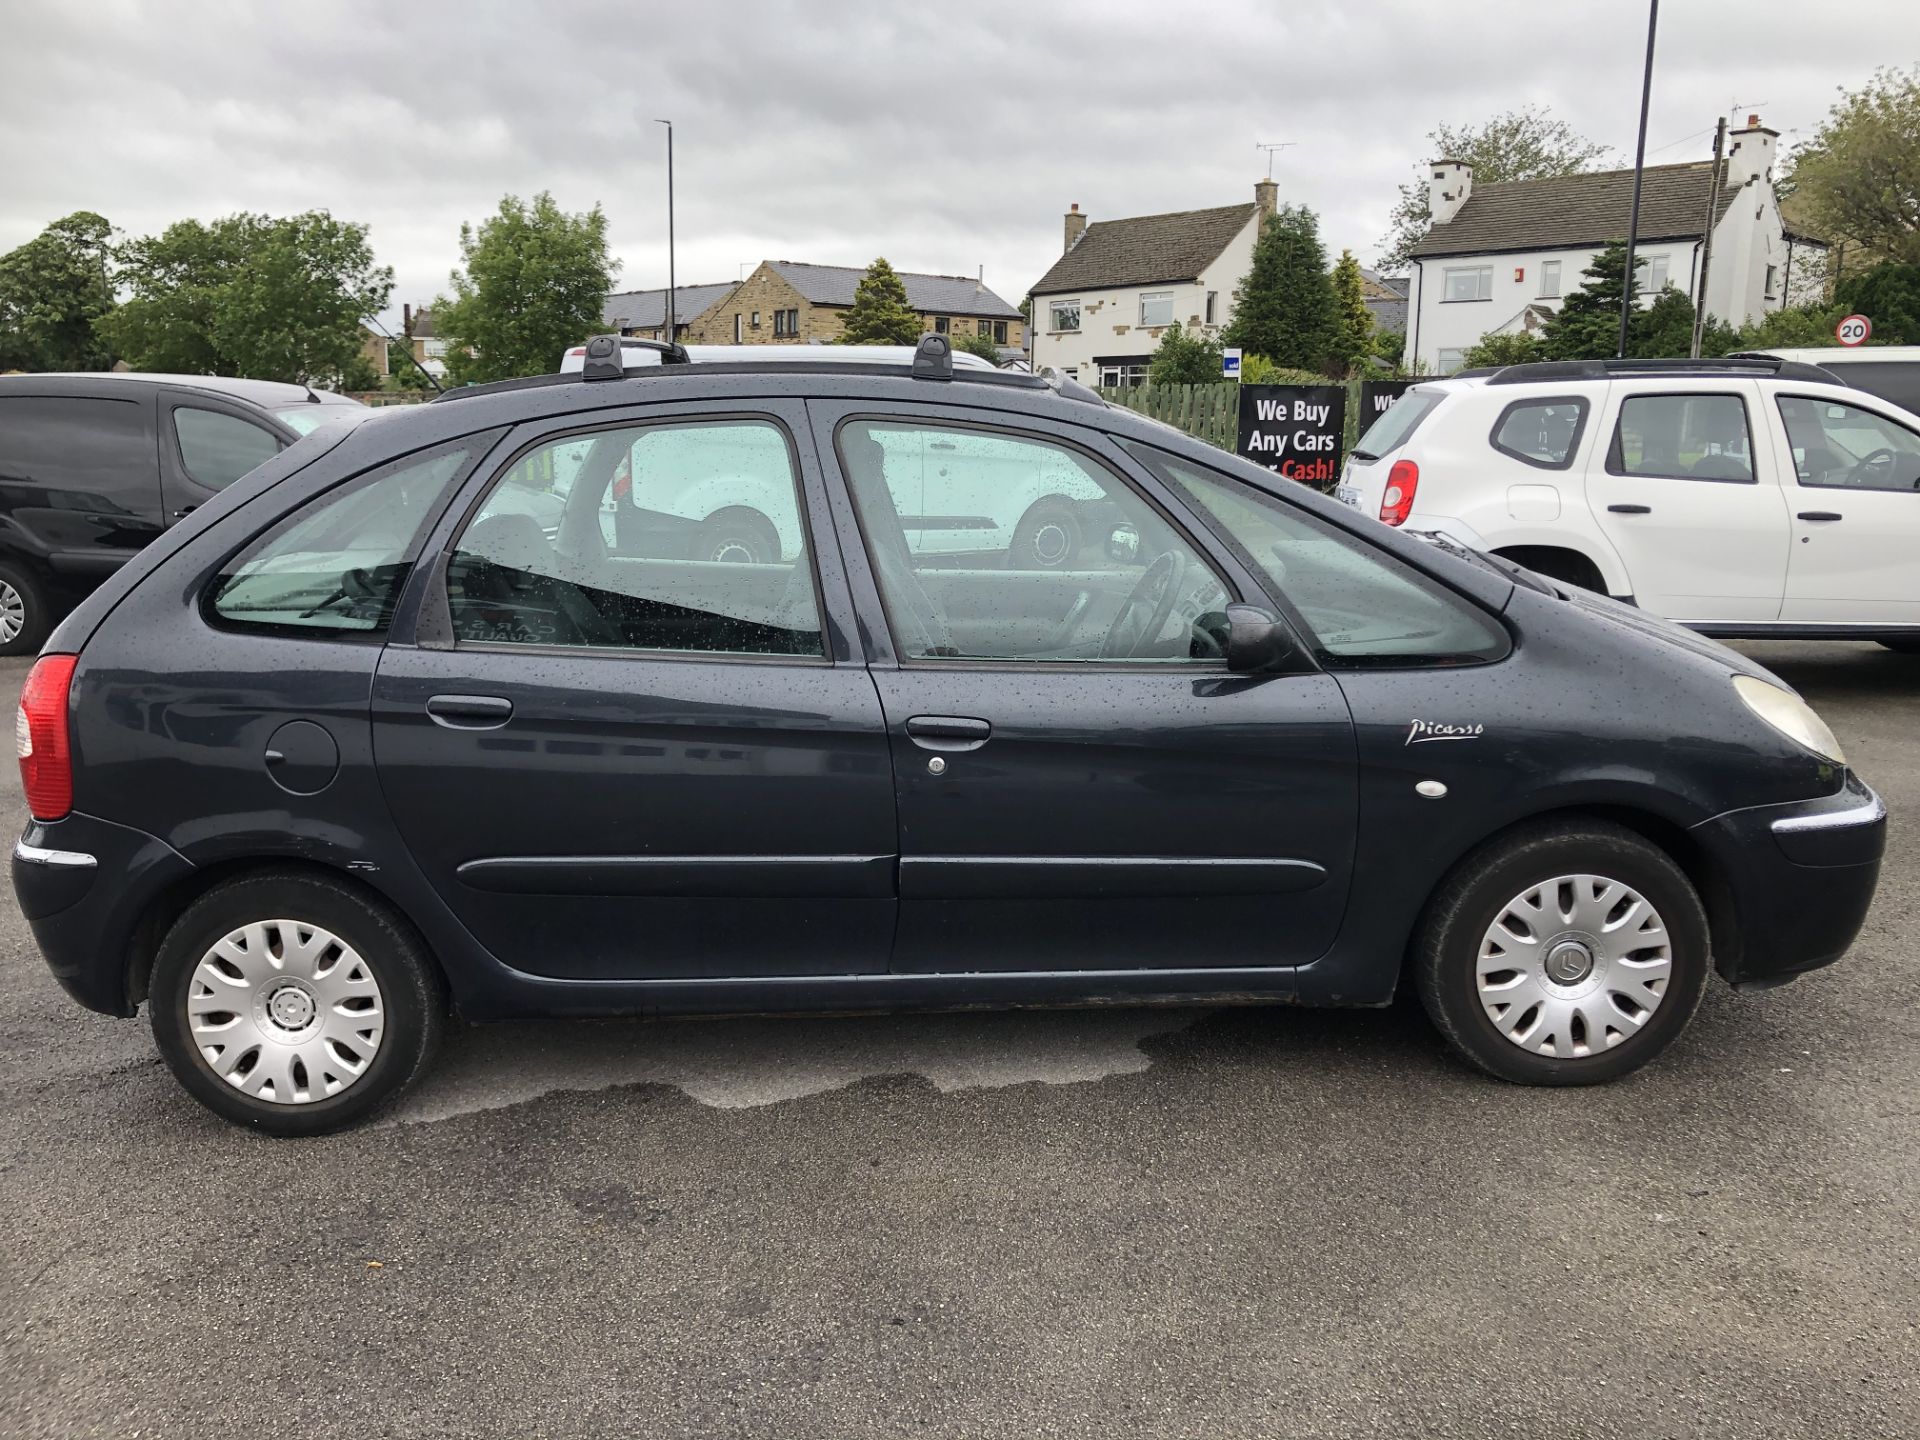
(362,742)
(1755,497)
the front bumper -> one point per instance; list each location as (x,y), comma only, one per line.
(1795,880)
(84,885)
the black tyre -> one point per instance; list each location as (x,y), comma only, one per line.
(1048,536)
(740,535)
(1903,647)
(290,1003)
(24,614)
(1566,953)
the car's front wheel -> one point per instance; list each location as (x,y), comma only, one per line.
(1567,953)
(291,1003)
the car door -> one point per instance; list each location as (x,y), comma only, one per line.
(1686,492)
(615,762)
(206,443)
(1081,783)
(1855,557)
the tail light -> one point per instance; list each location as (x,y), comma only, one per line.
(1402,481)
(623,480)
(40,734)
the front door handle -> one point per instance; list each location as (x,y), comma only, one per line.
(1630,509)
(1821,515)
(948,732)
(470,712)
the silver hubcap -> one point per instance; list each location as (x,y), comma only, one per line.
(1050,544)
(285,1012)
(734,552)
(1574,967)
(13,613)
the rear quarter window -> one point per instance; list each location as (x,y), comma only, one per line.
(1396,426)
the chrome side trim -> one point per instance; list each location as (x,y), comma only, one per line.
(1871,813)
(35,855)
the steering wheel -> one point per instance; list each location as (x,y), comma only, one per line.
(1146,608)
(1873,469)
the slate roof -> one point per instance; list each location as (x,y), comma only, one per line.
(929,294)
(1578,210)
(647,309)
(1145,250)
(1389,316)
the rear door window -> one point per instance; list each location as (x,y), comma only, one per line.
(1683,437)
(85,454)
(216,448)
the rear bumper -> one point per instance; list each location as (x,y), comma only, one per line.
(1798,880)
(83,885)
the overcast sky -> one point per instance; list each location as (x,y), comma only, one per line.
(946,137)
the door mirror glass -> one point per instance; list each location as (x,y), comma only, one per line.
(1257,642)
(1123,545)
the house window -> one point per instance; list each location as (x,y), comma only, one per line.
(736,327)
(1773,281)
(1212,297)
(1470,282)
(1653,274)
(1549,279)
(1066,314)
(939,324)
(785,322)
(1451,360)
(999,332)
(1121,374)
(1156,307)
(756,319)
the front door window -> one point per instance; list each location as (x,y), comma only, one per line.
(1844,447)
(1000,547)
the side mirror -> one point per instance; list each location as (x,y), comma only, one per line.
(1258,641)
(1123,545)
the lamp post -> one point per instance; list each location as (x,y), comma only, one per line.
(1639,173)
(671,223)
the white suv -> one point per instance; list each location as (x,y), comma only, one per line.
(1750,497)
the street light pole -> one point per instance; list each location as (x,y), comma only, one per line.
(1639,173)
(671,286)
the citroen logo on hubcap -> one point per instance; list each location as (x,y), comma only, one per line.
(1569,962)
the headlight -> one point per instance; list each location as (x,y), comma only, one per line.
(1790,715)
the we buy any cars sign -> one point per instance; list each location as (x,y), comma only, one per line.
(1294,429)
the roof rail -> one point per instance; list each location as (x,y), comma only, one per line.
(606,358)
(1537,371)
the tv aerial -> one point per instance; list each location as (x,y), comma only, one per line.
(1270,148)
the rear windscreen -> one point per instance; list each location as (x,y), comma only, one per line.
(1391,430)
(1895,380)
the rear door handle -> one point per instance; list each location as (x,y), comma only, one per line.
(470,712)
(1821,515)
(1630,509)
(948,732)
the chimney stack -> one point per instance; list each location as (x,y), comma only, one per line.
(1076,226)
(1449,185)
(1751,155)
(1266,195)
(406,321)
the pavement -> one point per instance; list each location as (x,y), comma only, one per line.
(1119,1223)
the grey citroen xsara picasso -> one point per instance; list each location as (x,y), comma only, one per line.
(1015,698)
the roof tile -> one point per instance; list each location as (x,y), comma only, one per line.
(1577,210)
(1145,250)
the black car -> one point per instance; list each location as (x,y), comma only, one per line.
(362,744)
(94,466)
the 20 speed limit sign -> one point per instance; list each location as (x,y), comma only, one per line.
(1853,330)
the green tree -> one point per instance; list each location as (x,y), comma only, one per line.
(1888,295)
(1858,178)
(533,280)
(1795,327)
(54,291)
(1587,324)
(1524,144)
(1259,370)
(1353,321)
(975,343)
(1283,307)
(1514,347)
(249,295)
(880,314)
(1183,359)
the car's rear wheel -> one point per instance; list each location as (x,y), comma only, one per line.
(1567,953)
(739,535)
(24,617)
(293,1004)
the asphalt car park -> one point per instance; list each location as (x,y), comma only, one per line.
(1152,1222)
